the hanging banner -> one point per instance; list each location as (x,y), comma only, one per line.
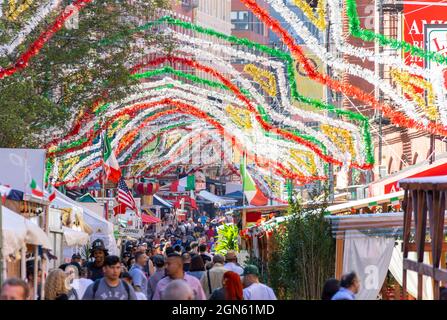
(370,258)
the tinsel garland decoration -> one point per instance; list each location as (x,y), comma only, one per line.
(265,78)
(395,116)
(246,101)
(37,45)
(14,12)
(316,103)
(83,173)
(32,23)
(341,138)
(320,19)
(409,83)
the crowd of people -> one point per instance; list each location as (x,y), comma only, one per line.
(177,263)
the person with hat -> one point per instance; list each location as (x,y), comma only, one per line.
(75,261)
(231,263)
(254,290)
(99,253)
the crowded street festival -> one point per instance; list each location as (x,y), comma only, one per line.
(224,150)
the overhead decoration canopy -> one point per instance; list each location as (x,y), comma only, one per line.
(227,114)
(194,101)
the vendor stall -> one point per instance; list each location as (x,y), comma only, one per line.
(100,228)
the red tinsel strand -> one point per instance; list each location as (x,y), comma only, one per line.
(350,90)
(37,45)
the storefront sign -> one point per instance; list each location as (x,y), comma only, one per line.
(134,233)
(416,16)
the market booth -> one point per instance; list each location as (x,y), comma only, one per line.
(21,237)
(76,216)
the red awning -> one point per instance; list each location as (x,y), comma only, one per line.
(149,219)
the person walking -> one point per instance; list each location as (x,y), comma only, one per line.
(77,282)
(139,278)
(75,260)
(160,273)
(349,286)
(110,287)
(99,253)
(178,290)
(231,288)
(202,252)
(231,263)
(174,270)
(14,289)
(186,261)
(212,279)
(197,267)
(330,288)
(125,276)
(254,290)
(56,285)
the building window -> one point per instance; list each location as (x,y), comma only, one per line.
(240,20)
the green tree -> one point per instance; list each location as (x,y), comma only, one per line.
(303,251)
(75,69)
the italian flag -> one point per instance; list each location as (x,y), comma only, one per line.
(184,184)
(111,165)
(395,202)
(254,196)
(193,200)
(52,193)
(35,190)
(373,205)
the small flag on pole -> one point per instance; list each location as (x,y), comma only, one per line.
(125,196)
(35,189)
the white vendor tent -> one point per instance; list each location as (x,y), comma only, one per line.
(218,201)
(102,229)
(75,238)
(18,231)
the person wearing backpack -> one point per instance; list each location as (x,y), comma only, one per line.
(111,287)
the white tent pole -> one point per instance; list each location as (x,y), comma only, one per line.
(36,270)
(23,262)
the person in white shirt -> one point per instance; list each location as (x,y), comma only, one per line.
(231,263)
(78,285)
(254,290)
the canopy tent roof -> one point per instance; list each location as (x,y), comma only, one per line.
(18,231)
(235,195)
(279,207)
(215,199)
(75,238)
(87,198)
(149,219)
(162,202)
(422,169)
(389,224)
(357,204)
